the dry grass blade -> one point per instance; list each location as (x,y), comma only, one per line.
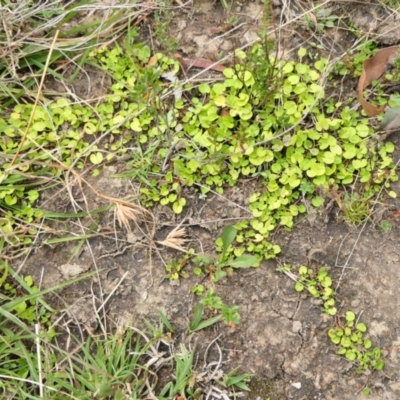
(27,28)
(125,214)
(291,275)
(175,239)
(126,211)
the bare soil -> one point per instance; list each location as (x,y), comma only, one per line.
(282,338)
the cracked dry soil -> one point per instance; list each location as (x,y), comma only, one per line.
(282,338)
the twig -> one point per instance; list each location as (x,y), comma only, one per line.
(39,360)
(112,292)
(208,348)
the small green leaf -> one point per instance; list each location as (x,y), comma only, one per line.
(354,337)
(220,101)
(33,195)
(164,201)
(331,311)
(366,391)
(350,355)
(367,343)
(293,79)
(96,158)
(135,125)
(340,332)
(29,281)
(89,128)
(379,365)
(302,69)
(389,147)
(320,64)
(228,72)
(219,274)
(335,339)
(386,225)
(204,88)
(350,316)
(317,201)
(302,52)
(287,68)
(361,327)
(39,126)
(326,282)
(228,236)
(244,261)
(10,201)
(377,352)
(240,54)
(303,270)
(298,287)
(332,333)
(178,205)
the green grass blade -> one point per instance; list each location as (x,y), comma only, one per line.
(207,323)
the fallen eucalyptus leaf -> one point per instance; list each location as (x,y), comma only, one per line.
(373,68)
(199,63)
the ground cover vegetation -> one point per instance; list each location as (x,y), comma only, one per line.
(264,119)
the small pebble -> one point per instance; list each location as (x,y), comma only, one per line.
(296,326)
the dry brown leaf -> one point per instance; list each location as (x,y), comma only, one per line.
(373,68)
(395,215)
(153,60)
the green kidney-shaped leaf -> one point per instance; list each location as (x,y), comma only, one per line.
(345,341)
(367,343)
(379,365)
(33,195)
(350,355)
(299,287)
(317,201)
(39,126)
(317,169)
(361,327)
(178,205)
(335,340)
(96,158)
(331,311)
(350,316)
